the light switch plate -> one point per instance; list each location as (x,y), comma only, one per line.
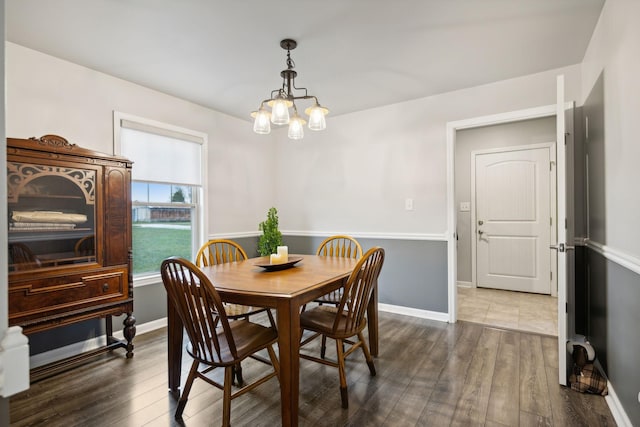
(465,206)
(408,204)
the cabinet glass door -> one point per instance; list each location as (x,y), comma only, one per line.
(51,215)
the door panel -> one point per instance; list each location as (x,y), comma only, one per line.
(512,212)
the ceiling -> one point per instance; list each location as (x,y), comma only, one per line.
(353,55)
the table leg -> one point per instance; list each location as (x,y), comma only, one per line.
(372,319)
(289,347)
(174,349)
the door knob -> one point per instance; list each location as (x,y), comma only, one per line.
(480,232)
(561,247)
(480,222)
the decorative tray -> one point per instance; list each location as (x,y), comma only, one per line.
(293,260)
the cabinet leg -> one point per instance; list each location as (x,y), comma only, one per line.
(129,332)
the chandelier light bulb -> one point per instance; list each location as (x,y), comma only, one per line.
(280,112)
(261,124)
(316,117)
(296,127)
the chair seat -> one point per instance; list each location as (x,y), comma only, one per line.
(321,319)
(248,338)
(237,310)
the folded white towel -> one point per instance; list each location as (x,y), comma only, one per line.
(48,216)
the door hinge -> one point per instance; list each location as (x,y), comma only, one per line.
(586,128)
(565,223)
(566,307)
(551,276)
(550,220)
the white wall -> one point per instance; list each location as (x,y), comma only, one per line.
(614,48)
(354,176)
(47,95)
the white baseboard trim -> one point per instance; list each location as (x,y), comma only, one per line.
(462,284)
(145,327)
(88,345)
(619,415)
(414,312)
(439,237)
(236,235)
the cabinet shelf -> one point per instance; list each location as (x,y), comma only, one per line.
(49,196)
(48,234)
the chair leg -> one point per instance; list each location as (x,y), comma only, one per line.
(323,346)
(182,402)
(226,398)
(237,373)
(274,361)
(343,377)
(367,354)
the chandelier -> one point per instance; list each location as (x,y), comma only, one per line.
(283,99)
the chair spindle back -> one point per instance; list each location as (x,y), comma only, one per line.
(340,246)
(357,292)
(199,306)
(219,251)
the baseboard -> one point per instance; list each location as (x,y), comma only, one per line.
(462,284)
(619,415)
(414,312)
(88,345)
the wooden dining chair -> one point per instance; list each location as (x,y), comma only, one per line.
(21,257)
(336,246)
(215,342)
(220,251)
(347,320)
(86,246)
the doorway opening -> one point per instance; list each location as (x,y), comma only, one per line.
(469,299)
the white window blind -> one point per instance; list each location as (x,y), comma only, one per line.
(161,155)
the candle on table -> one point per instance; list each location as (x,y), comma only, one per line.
(276,259)
(283,252)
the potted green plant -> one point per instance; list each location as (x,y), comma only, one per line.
(271,237)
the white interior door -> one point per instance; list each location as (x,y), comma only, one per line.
(512,214)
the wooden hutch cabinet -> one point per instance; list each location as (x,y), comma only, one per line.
(69,240)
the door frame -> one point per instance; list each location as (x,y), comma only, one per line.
(551,146)
(452,128)
(452,260)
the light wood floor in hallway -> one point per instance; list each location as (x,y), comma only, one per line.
(429,374)
(519,311)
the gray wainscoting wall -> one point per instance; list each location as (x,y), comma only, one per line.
(414,274)
(613,321)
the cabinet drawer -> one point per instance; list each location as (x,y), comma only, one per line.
(57,294)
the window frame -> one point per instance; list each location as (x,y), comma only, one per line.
(199,225)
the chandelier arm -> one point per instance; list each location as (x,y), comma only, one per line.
(300,88)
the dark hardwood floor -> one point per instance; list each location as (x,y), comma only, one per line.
(429,374)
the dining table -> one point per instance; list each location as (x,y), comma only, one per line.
(286,289)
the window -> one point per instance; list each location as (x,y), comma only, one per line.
(166,193)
